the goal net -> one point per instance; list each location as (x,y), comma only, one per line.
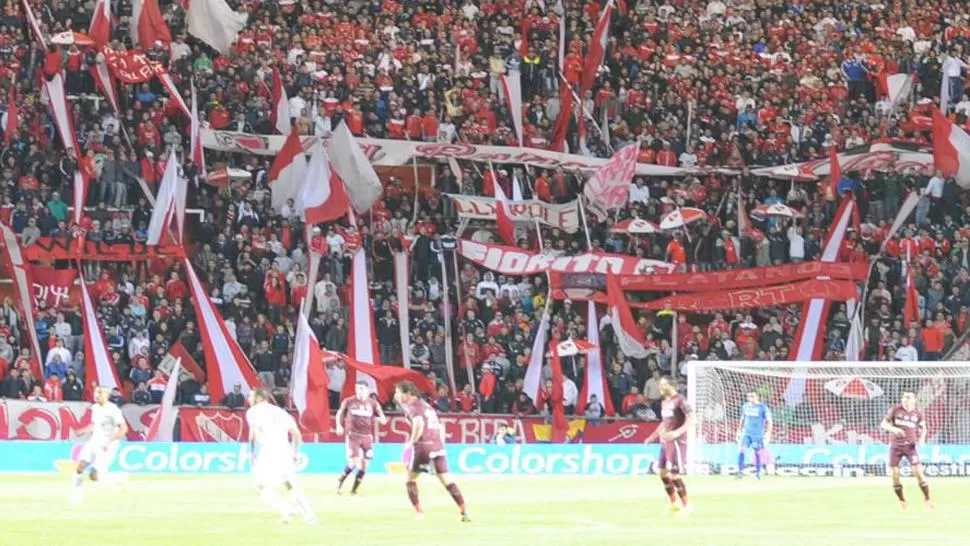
(827,415)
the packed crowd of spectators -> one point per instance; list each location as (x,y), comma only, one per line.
(723,84)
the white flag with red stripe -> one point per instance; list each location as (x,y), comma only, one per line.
(349,161)
(105,82)
(162,428)
(532,383)
(323,197)
(362,336)
(505,225)
(169,204)
(98,369)
(512,84)
(13,258)
(101,19)
(628,336)
(288,171)
(595,382)
(516,188)
(281,106)
(597,49)
(907,208)
(195,137)
(309,382)
(951,149)
(147,25)
(225,363)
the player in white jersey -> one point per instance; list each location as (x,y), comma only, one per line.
(107,428)
(274,441)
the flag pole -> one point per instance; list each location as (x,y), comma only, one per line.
(449,344)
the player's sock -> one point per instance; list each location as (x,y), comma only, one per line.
(413,495)
(925,487)
(898,489)
(347,471)
(357,479)
(669,488)
(757,464)
(77,480)
(274,500)
(681,490)
(740,462)
(300,500)
(456,494)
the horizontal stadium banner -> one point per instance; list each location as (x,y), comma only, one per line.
(564,216)
(225,425)
(753,298)
(390,153)
(48,249)
(23,420)
(483,459)
(510,260)
(754,277)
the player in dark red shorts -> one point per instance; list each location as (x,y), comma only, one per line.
(908,428)
(361,411)
(425,448)
(677,418)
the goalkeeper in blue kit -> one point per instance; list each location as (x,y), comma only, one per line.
(754,431)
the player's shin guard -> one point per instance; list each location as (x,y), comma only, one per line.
(343,477)
(413,495)
(357,479)
(925,487)
(898,489)
(456,495)
(757,463)
(681,489)
(669,488)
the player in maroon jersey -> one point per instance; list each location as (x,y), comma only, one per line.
(677,418)
(908,428)
(424,450)
(361,411)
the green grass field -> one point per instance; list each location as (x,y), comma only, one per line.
(186,510)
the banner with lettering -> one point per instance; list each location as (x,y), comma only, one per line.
(564,216)
(23,420)
(52,287)
(753,298)
(508,260)
(48,249)
(132,66)
(733,279)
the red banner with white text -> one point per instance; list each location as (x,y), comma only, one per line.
(132,66)
(753,298)
(224,425)
(48,249)
(735,279)
(509,260)
(53,287)
(22,420)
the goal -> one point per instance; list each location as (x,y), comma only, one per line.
(826,415)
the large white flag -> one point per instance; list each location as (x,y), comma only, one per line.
(163,424)
(169,203)
(512,84)
(214,22)
(532,383)
(353,166)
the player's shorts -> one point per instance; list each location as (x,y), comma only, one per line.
(274,468)
(673,456)
(899,452)
(98,458)
(753,442)
(360,446)
(422,459)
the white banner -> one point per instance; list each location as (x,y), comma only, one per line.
(22,420)
(564,216)
(881,156)
(609,187)
(392,153)
(512,261)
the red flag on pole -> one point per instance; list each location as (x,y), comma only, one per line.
(911,308)
(13,116)
(835,174)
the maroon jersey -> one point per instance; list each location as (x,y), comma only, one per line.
(361,415)
(909,421)
(673,412)
(431,438)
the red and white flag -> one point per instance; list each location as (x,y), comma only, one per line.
(951,149)
(907,208)
(215,23)
(147,25)
(162,428)
(628,336)
(225,363)
(98,369)
(34,25)
(288,171)
(532,383)
(897,87)
(516,188)
(609,187)
(348,160)
(512,85)
(506,227)
(101,75)
(309,382)
(169,204)
(13,260)
(195,136)
(12,116)
(595,380)
(323,197)
(835,173)
(560,425)
(911,312)
(101,20)
(281,106)
(362,335)
(597,50)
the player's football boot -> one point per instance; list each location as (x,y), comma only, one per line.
(930,505)
(465,518)
(672,508)
(419,516)
(686,510)
(902,505)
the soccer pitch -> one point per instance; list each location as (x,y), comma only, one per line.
(196,510)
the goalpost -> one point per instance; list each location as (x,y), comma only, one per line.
(827,414)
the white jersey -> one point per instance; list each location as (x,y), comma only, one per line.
(271,426)
(105,420)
